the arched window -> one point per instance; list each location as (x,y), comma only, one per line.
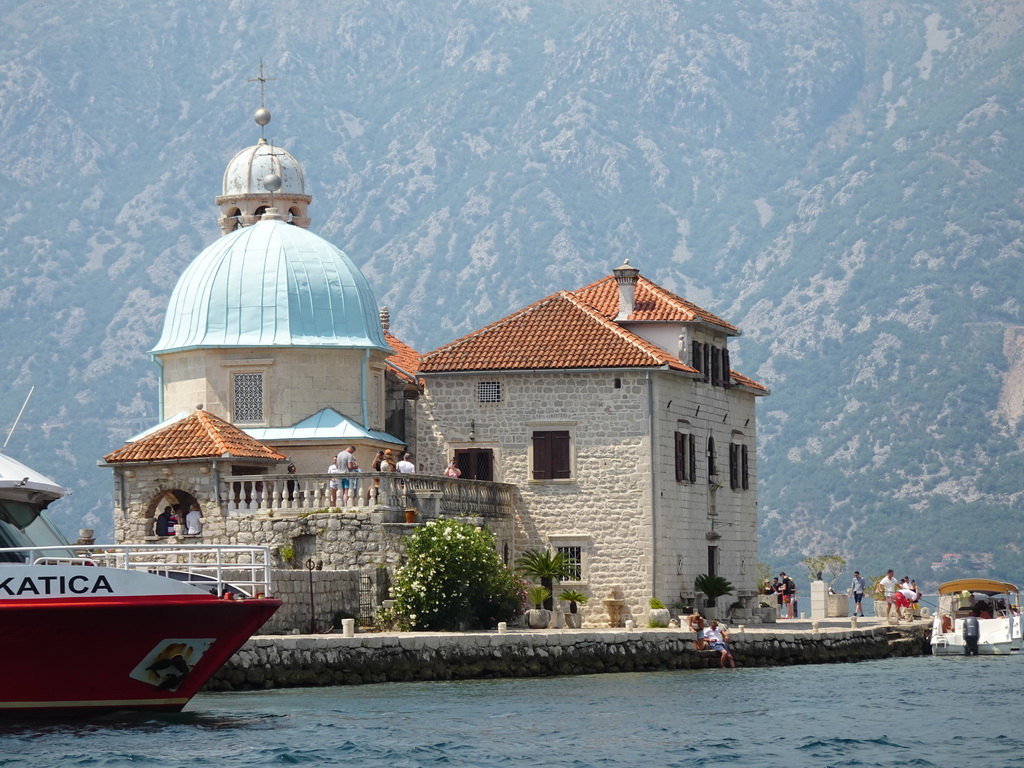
(712,469)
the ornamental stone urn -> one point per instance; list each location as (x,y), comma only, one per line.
(538,618)
(658,617)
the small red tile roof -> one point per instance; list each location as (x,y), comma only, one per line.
(405,361)
(738,379)
(577,329)
(199,435)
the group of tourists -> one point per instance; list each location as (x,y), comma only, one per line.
(784,589)
(345,463)
(173,516)
(903,595)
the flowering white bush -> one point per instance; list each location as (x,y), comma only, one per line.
(453,579)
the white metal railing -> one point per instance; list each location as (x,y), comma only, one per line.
(236,569)
(366,490)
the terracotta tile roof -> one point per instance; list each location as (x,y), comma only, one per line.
(199,435)
(405,361)
(652,303)
(576,329)
(561,331)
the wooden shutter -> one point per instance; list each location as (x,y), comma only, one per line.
(541,456)
(734,466)
(560,466)
(693,457)
(745,468)
(680,457)
(726,369)
(716,366)
(551,455)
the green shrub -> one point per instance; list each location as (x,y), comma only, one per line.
(656,604)
(453,579)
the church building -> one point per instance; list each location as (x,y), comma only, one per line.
(604,422)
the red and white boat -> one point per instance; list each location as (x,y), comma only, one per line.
(92,629)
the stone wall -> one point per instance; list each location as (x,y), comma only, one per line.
(280,662)
(333,591)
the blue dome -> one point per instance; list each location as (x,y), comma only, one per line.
(271,285)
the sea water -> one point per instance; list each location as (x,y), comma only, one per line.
(897,712)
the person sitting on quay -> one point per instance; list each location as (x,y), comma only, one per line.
(718,640)
(696,623)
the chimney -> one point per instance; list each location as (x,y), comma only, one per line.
(626,276)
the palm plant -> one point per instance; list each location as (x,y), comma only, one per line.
(538,595)
(545,566)
(713,587)
(573,598)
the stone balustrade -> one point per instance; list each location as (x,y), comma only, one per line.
(431,496)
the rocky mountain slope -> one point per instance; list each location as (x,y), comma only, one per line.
(838,178)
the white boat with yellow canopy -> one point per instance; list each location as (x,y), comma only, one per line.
(985,609)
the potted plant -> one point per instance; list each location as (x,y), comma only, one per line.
(545,566)
(538,617)
(658,615)
(833,565)
(713,587)
(573,620)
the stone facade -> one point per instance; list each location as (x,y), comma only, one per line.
(641,533)
(296,383)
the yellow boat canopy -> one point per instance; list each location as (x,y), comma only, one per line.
(987,586)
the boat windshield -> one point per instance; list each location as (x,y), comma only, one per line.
(25,525)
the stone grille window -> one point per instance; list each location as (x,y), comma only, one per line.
(248,397)
(489,391)
(574,558)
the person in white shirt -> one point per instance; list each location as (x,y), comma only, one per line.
(406,466)
(718,639)
(194,521)
(887,586)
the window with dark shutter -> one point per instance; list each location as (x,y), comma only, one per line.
(726,369)
(680,457)
(693,457)
(716,366)
(745,468)
(706,367)
(551,455)
(734,466)
(712,469)
(696,355)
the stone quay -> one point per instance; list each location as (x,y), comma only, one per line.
(282,661)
